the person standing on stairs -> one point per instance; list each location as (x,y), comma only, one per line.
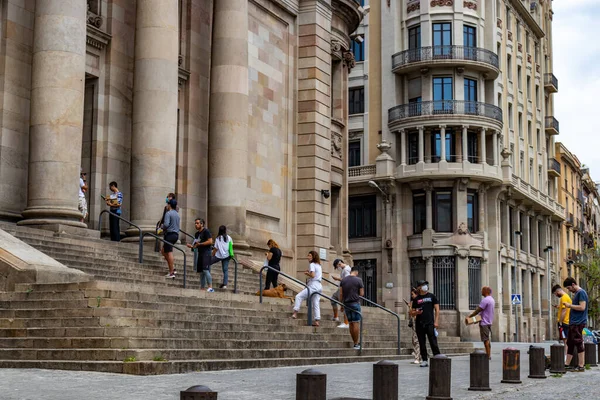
(158,245)
(426,309)
(273,260)
(351,290)
(344,272)
(170,228)
(114,201)
(203,243)
(315,274)
(82,205)
(222,252)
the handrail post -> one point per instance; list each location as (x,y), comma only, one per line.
(360,338)
(235,275)
(260,283)
(141,249)
(184,266)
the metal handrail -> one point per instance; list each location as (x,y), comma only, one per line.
(287,276)
(141,248)
(164,241)
(309,306)
(187,234)
(376,305)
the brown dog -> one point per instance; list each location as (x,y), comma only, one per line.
(278,292)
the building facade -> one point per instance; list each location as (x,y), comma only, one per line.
(239,107)
(462,190)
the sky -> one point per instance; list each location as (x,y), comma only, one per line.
(576,45)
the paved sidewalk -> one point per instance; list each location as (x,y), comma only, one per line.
(351,380)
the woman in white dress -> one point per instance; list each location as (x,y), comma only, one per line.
(315,274)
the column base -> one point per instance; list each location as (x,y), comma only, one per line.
(47,215)
(60,228)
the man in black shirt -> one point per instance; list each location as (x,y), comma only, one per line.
(426,309)
(351,289)
(203,243)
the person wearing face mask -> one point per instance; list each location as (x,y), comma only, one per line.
(158,231)
(426,310)
(486,309)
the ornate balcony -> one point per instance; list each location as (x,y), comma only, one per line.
(551,125)
(553,167)
(361,173)
(550,83)
(445,111)
(453,56)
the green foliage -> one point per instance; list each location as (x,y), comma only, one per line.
(159,358)
(130,359)
(589,265)
(556,375)
(588,366)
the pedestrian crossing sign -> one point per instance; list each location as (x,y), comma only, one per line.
(515,299)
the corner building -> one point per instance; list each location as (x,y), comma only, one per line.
(239,107)
(462,190)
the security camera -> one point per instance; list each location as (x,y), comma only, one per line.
(325,193)
(366,10)
(358,38)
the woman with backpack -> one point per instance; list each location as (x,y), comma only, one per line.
(223,251)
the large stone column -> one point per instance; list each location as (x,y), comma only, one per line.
(155,85)
(442,143)
(421,144)
(403,147)
(57,87)
(465,148)
(228,136)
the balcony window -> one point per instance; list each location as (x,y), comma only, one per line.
(509,66)
(354,159)
(529,133)
(442,210)
(358,49)
(472,211)
(472,147)
(508,18)
(511,225)
(442,90)
(518,31)
(413,147)
(436,146)
(538,140)
(414,106)
(528,88)
(442,39)
(362,217)
(357,100)
(414,37)
(470,42)
(522,225)
(520,122)
(419,212)
(519,78)
(470,95)
(531,173)
(510,117)
(537,95)
(522,165)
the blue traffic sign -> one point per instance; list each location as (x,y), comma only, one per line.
(515,299)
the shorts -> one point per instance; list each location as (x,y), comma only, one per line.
(564,331)
(575,339)
(172,238)
(82,206)
(336,297)
(352,312)
(485,332)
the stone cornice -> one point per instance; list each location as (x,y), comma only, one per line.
(97,38)
(526,16)
(348,11)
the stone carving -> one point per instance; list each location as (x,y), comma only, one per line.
(462,252)
(537,68)
(471,5)
(462,241)
(462,229)
(520,47)
(462,184)
(180,60)
(335,46)
(93,18)
(414,6)
(336,145)
(441,3)
(427,186)
(509,35)
(505,153)
(349,60)
(384,146)
(529,58)
(499,23)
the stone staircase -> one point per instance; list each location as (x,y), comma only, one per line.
(130,319)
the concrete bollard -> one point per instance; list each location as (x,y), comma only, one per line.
(440,378)
(311,385)
(511,365)
(590,354)
(385,380)
(480,371)
(537,363)
(198,392)
(557,359)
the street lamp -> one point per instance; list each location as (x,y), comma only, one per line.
(547,251)
(515,234)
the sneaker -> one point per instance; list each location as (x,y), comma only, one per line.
(210,290)
(344,326)
(174,272)
(415,362)
(223,287)
(335,319)
(424,364)
(569,367)
(579,369)
(172,276)
(356,347)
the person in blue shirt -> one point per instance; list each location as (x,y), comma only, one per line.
(577,321)
(114,201)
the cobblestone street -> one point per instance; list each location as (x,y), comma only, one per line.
(346,380)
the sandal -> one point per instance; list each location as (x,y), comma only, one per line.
(294,316)
(316,324)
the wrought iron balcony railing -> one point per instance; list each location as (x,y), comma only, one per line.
(554,165)
(444,107)
(552,124)
(432,53)
(550,80)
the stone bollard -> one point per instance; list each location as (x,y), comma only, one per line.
(198,392)
(480,371)
(385,380)
(590,354)
(537,363)
(440,378)
(311,385)
(511,365)
(557,359)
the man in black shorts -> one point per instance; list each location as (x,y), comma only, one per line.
(351,289)
(170,227)
(203,243)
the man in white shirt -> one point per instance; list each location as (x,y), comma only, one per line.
(344,272)
(82,205)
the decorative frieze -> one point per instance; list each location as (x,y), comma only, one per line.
(441,3)
(336,145)
(413,6)
(471,5)
(349,60)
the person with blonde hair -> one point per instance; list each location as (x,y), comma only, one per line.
(273,260)
(315,274)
